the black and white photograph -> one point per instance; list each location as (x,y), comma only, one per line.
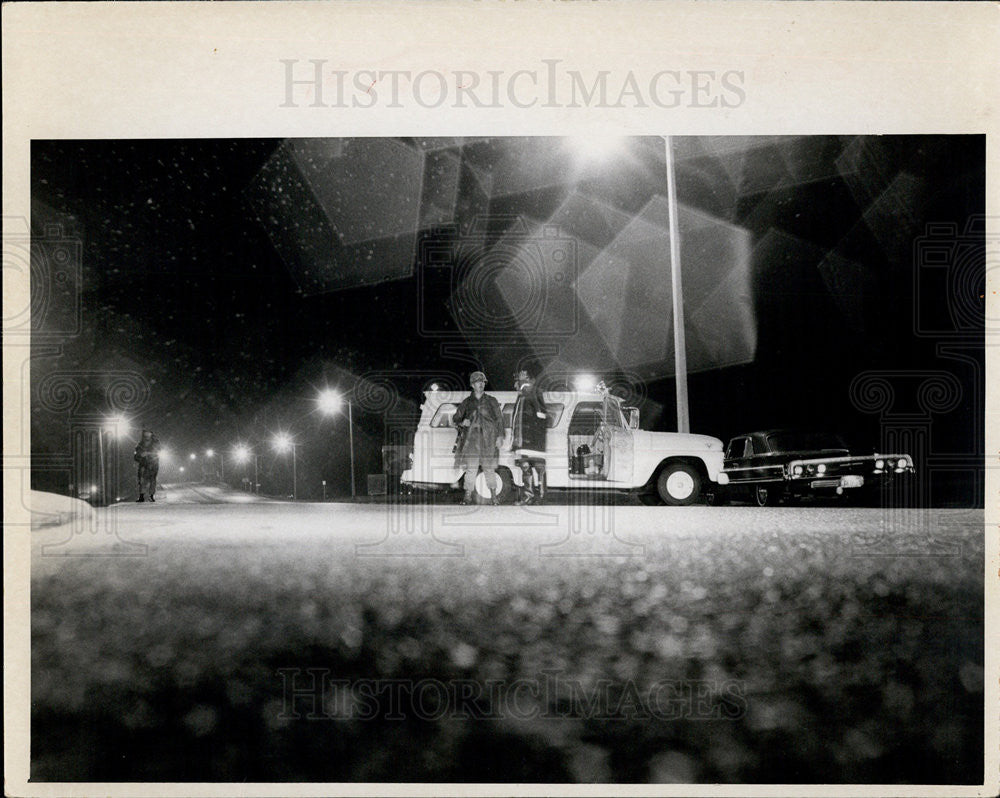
(504,459)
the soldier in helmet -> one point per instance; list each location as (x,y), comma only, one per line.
(480,423)
(530,423)
(147,457)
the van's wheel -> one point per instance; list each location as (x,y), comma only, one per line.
(679,484)
(504,487)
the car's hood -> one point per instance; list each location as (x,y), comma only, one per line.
(811,454)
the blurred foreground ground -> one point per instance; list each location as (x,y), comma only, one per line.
(503,644)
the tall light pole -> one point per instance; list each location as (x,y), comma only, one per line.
(117,427)
(598,147)
(210,454)
(330,402)
(680,349)
(282,443)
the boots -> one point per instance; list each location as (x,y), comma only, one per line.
(467,499)
(527,492)
(151,498)
(141,498)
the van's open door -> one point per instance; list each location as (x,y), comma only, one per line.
(620,443)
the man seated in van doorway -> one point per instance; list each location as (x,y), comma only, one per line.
(529,424)
(480,423)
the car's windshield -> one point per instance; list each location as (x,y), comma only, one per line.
(804,442)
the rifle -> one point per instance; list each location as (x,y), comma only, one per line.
(463,431)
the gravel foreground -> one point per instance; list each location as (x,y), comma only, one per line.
(340,643)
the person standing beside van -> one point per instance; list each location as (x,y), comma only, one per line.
(480,423)
(530,423)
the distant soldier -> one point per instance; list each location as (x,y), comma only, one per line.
(530,423)
(480,423)
(147,456)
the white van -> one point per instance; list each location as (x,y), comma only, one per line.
(593,442)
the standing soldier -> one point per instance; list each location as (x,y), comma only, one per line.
(480,423)
(528,441)
(147,456)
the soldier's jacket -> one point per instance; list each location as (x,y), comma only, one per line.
(148,452)
(486,424)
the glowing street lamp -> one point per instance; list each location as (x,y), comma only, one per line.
(282,443)
(192,456)
(117,426)
(242,454)
(210,454)
(597,146)
(330,402)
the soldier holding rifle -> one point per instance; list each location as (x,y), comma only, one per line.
(480,424)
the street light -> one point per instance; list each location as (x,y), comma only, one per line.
(282,443)
(599,147)
(242,454)
(330,402)
(210,453)
(680,349)
(117,427)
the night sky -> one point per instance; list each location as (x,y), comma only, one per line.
(237,276)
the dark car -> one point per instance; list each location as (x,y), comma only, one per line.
(785,464)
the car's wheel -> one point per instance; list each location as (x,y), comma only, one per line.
(719,497)
(504,487)
(765,496)
(679,484)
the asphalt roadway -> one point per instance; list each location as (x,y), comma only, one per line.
(247,640)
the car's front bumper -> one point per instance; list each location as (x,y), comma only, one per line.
(837,484)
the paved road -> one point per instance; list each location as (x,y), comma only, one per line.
(202,493)
(600,643)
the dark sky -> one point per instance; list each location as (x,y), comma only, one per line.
(238,274)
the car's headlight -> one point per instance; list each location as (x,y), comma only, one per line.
(821,468)
(797,470)
(880,464)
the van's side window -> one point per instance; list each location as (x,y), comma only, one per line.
(555,411)
(444,416)
(586,418)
